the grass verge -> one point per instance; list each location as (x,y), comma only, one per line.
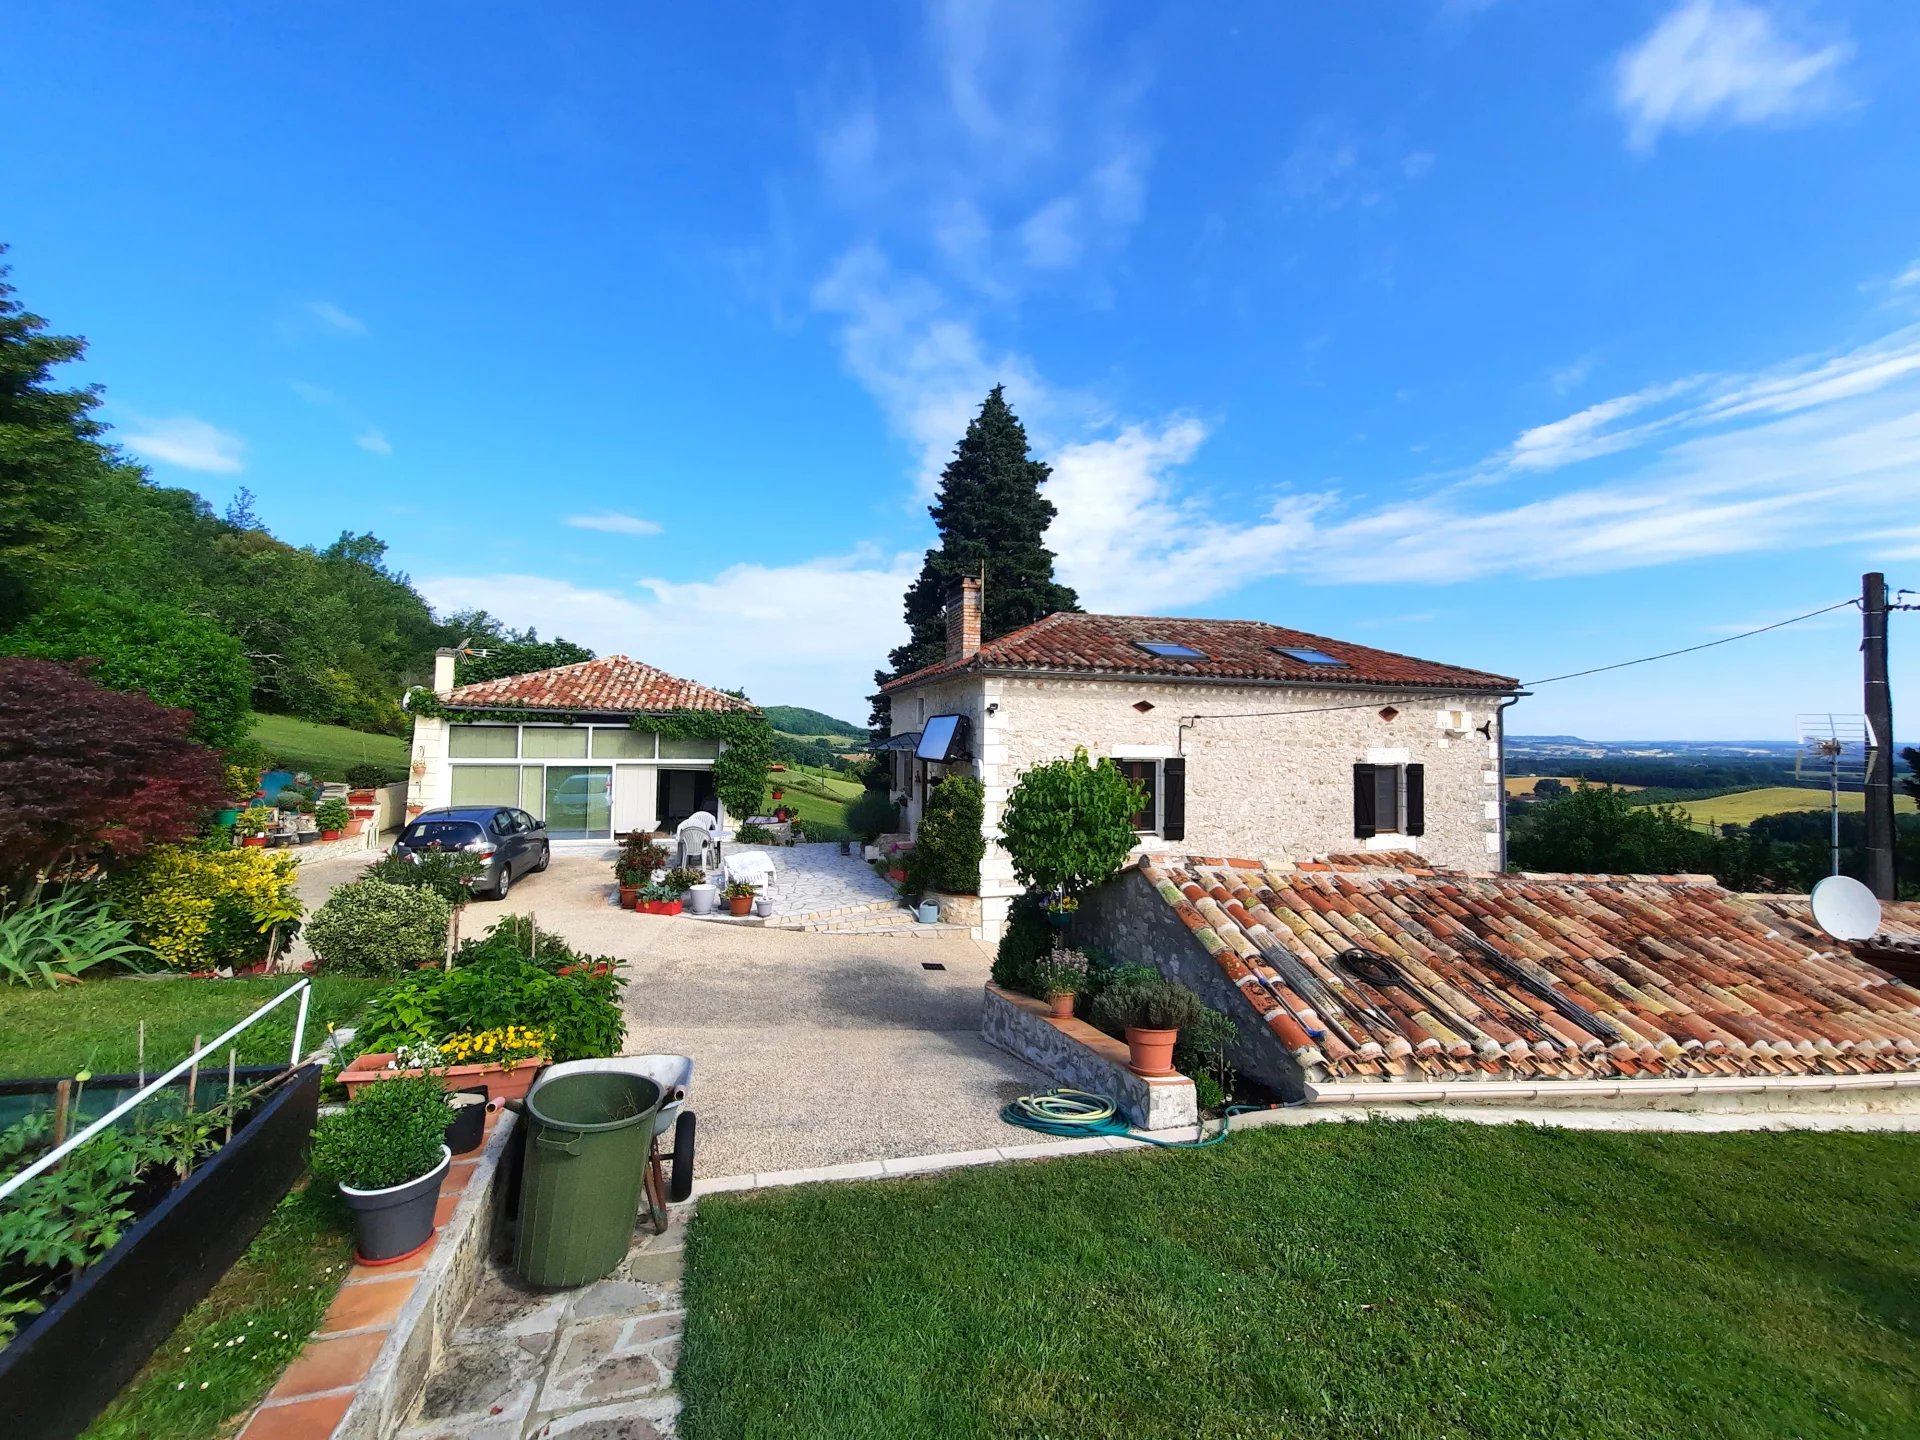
(228,1351)
(96,1025)
(327,751)
(1414,1279)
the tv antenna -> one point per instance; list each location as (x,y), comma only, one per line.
(1838,750)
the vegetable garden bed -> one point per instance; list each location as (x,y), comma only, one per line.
(68,1362)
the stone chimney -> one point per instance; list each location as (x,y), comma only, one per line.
(963,618)
(443,672)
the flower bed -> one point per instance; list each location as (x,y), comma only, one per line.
(68,1362)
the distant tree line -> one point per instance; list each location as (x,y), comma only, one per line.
(1596,829)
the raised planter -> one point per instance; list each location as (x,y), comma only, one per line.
(70,1360)
(502,1083)
(1075,1054)
(658,907)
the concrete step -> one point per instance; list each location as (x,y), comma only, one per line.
(800,918)
(889,927)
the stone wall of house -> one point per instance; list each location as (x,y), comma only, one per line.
(1281,785)
(1129,921)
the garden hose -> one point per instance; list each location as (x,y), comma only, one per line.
(1078,1112)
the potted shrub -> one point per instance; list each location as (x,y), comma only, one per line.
(1151,1015)
(506,1059)
(739,897)
(1058,980)
(387,1152)
(639,857)
(252,824)
(362,781)
(332,817)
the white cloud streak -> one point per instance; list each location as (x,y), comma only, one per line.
(374,443)
(807,634)
(614,522)
(1721,61)
(189,443)
(330,319)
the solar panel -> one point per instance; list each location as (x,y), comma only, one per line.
(1309,657)
(943,739)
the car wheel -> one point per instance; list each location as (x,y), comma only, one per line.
(546,854)
(506,882)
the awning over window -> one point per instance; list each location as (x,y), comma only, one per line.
(909,743)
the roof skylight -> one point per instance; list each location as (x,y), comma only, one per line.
(1307,656)
(1169,650)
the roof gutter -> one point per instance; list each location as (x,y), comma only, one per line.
(1417,1092)
(1500,724)
(1030,672)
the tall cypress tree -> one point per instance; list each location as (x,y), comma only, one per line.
(993,519)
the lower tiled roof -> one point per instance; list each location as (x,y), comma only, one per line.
(613,684)
(1365,972)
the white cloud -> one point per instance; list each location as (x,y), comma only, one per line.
(1416,164)
(188,443)
(374,442)
(329,318)
(806,634)
(928,367)
(313,394)
(1908,278)
(1724,61)
(613,522)
(1051,235)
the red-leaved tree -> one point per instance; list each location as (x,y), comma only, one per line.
(91,776)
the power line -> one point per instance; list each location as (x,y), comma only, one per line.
(1724,640)
(1375,703)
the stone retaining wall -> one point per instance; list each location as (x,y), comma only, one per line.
(1083,1058)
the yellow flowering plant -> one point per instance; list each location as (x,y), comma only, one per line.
(505,1045)
(204,909)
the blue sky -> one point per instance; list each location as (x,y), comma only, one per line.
(1524,334)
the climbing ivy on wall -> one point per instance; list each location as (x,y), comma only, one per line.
(739,772)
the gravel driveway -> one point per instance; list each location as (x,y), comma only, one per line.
(809,1049)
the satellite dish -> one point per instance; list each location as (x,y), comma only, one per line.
(1845,908)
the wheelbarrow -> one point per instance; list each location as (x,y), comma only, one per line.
(669,1173)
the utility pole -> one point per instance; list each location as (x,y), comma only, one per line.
(1879,708)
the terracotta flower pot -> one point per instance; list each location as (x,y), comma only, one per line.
(740,904)
(502,1084)
(1060,1005)
(629,896)
(1150,1052)
(329,834)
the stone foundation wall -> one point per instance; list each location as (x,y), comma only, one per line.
(1083,1058)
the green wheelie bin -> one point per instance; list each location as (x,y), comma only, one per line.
(588,1138)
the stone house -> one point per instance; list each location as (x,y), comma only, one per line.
(1249,738)
(576,753)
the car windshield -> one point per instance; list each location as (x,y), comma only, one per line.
(447,834)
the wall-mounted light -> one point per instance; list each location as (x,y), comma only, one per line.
(993,707)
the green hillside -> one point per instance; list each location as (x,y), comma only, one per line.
(326,751)
(798,720)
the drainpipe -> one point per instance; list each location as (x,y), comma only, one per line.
(1500,724)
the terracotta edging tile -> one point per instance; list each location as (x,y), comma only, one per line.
(302,1420)
(329,1365)
(364,1306)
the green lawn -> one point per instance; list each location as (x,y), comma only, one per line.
(819,797)
(269,1302)
(326,751)
(95,1025)
(1412,1279)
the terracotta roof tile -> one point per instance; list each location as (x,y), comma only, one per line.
(1233,650)
(611,685)
(1370,972)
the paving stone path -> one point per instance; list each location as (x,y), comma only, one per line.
(814,876)
(594,1363)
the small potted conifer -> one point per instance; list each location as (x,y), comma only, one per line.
(387,1152)
(1151,1014)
